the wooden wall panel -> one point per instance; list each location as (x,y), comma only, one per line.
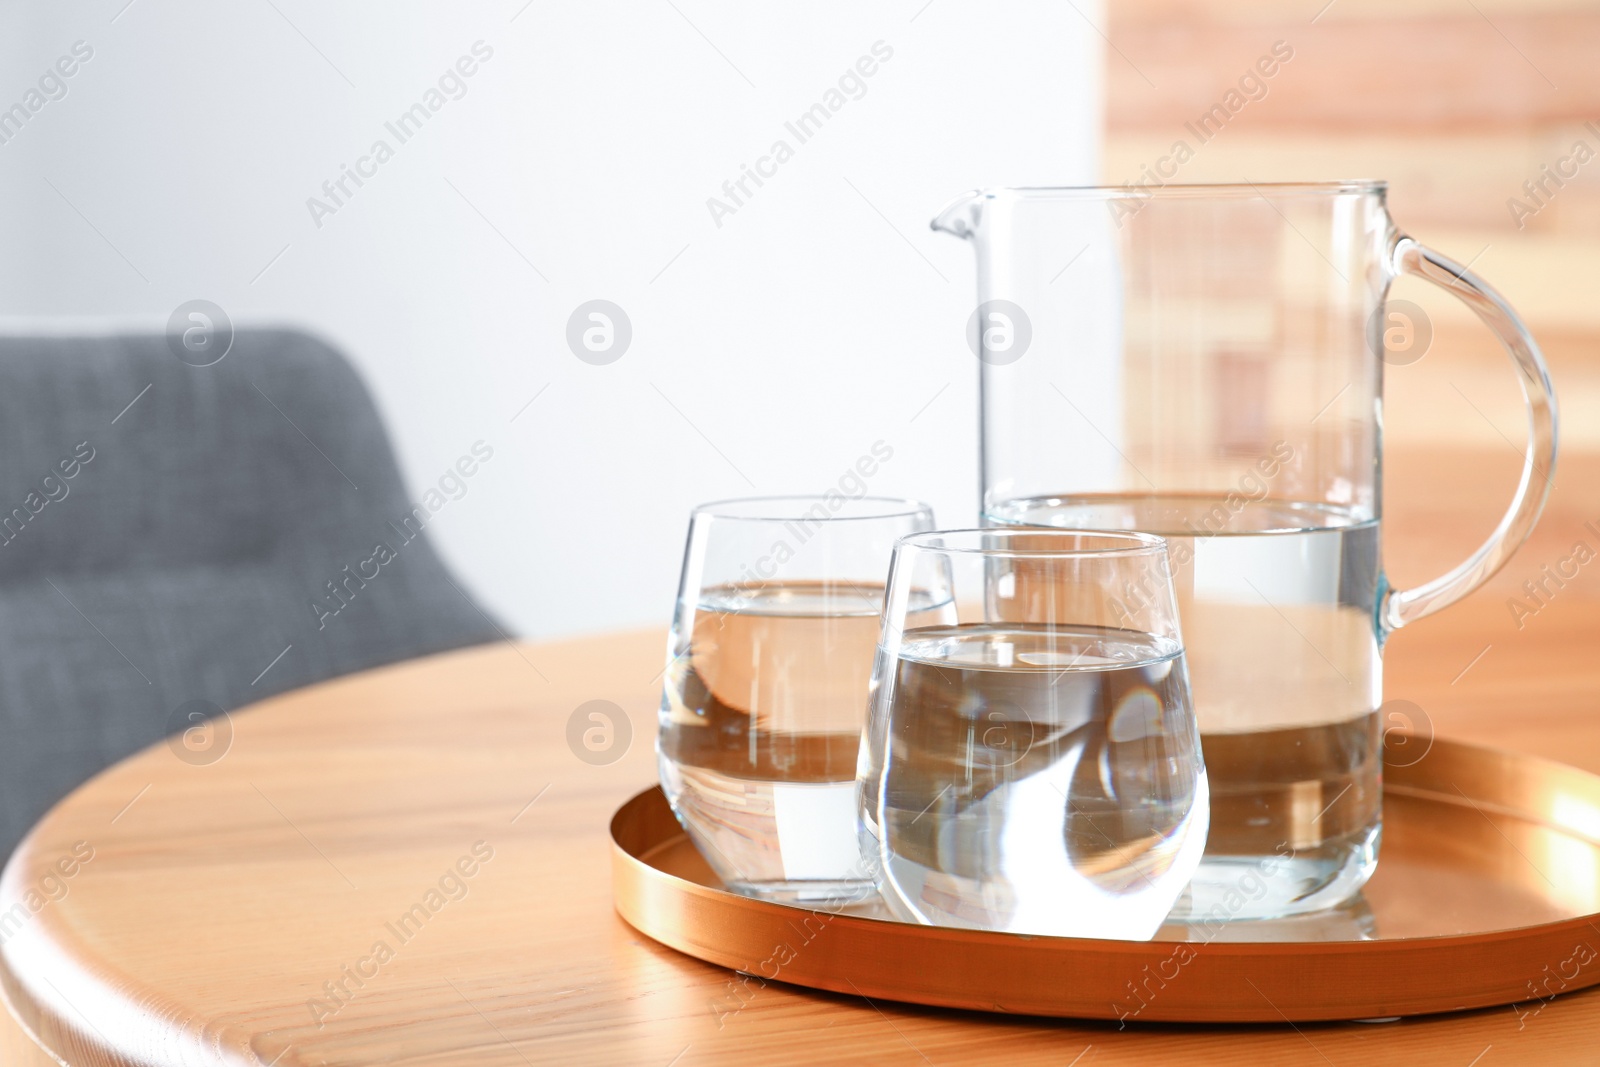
(1422,71)
(1457,104)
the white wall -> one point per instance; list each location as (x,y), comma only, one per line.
(768,352)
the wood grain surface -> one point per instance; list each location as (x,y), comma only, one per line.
(411,866)
(1462,106)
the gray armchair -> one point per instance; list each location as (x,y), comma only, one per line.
(166,531)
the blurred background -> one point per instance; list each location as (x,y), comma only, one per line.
(196,154)
(1460,104)
(774,334)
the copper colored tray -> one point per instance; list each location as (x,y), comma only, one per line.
(1488,892)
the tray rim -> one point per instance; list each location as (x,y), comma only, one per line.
(663,907)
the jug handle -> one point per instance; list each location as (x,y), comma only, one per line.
(1400,607)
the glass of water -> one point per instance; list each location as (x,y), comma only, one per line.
(765,691)
(1031,762)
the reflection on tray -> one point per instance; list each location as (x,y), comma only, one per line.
(1490,876)
(1448,869)
(1351,921)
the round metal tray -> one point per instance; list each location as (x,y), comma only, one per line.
(1487,892)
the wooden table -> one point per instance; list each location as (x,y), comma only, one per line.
(410,866)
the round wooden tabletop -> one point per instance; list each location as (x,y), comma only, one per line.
(411,866)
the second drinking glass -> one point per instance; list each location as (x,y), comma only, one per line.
(766,687)
(1032,762)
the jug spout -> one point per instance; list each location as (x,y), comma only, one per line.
(962,216)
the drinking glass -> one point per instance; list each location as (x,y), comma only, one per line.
(1031,761)
(1206,363)
(765,689)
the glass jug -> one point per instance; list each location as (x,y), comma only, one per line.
(1206,363)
